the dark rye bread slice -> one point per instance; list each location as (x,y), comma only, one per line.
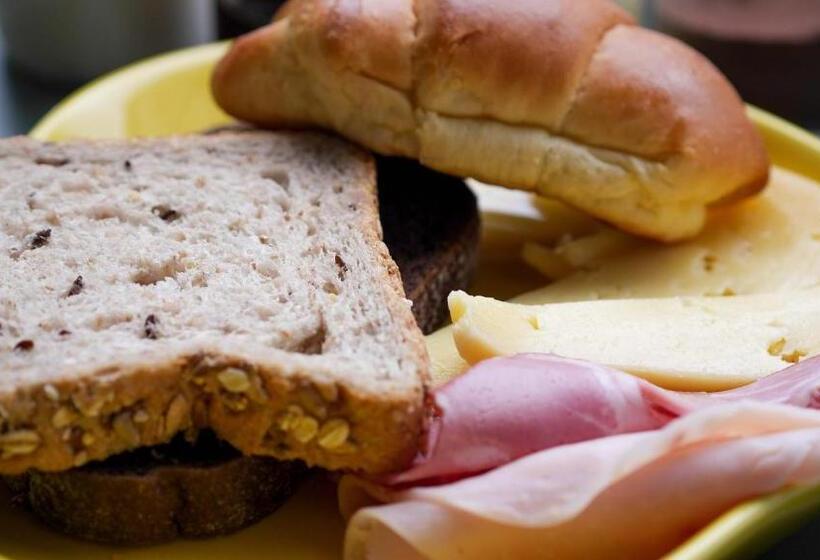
(431,227)
(236,282)
(160,493)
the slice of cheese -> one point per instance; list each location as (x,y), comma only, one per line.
(445,361)
(681,343)
(546,261)
(511,218)
(768,243)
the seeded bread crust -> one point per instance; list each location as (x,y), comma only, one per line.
(341,396)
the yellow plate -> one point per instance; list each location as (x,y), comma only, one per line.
(170,94)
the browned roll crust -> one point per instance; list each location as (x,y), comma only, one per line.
(565,97)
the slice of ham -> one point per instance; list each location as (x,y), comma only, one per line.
(630,496)
(506,408)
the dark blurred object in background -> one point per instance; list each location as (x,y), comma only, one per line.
(240,16)
(73,41)
(769,49)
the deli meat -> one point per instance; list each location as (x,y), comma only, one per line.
(507,408)
(630,496)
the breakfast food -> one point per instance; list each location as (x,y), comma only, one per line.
(430,223)
(765,244)
(566,98)
(769,243)
(512,218)
(632,496)
(153,494)
(684,343)
(237,282)
(265,306)
(559,401)
(159,493)
(431,226)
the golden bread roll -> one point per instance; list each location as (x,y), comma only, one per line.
(567,98)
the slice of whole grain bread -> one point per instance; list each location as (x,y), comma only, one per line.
(234,281)
(154,494)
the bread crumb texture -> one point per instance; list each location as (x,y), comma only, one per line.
(235,281)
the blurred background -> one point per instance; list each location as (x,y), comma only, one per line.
(769,49)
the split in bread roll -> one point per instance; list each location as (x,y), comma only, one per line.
(567,98)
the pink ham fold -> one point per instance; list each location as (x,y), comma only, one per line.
(629,496)
(507,408)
